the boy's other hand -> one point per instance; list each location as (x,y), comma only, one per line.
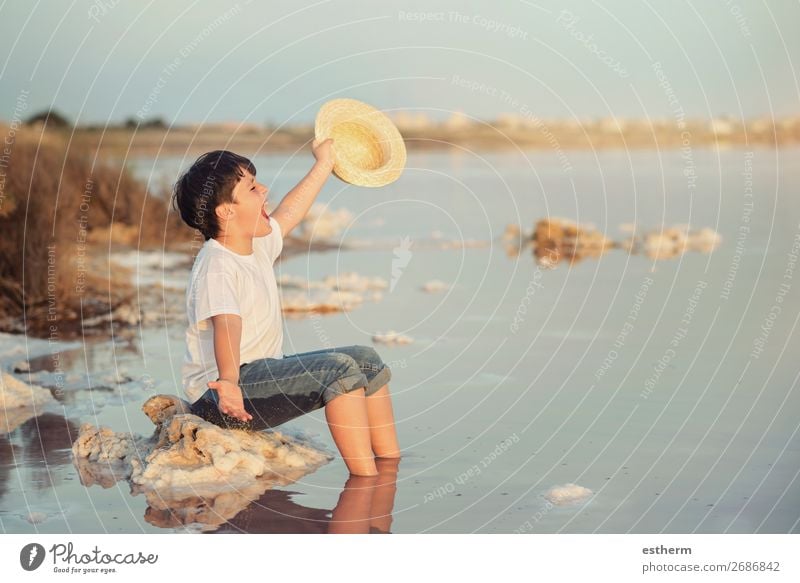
(323,151)
(230,399)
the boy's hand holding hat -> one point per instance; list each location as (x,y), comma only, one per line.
(323,152)
(369,150)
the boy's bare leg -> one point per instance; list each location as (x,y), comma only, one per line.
(381,424)
(349,425)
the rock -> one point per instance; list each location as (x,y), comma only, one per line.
(557,238)
(161,408)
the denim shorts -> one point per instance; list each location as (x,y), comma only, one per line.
(276,390)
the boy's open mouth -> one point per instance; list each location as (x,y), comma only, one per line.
(264,213)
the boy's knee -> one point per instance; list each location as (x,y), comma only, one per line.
(345,363)
(367,356)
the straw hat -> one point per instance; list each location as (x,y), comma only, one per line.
(369,151)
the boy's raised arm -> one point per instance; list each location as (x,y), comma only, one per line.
(227,336)
(296,203)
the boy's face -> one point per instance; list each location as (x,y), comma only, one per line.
(248,213)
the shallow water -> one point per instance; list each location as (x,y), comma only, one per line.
(657,403)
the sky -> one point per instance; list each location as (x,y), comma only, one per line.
(276,62)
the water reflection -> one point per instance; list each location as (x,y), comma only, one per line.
(48,438)
(364,506)
(37,446)
(7,455)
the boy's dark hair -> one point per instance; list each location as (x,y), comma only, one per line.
(208,183)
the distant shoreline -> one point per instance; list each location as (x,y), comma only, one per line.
(500,135)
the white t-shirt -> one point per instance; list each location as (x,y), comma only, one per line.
(225,282)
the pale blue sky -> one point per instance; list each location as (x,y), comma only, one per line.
(278,61)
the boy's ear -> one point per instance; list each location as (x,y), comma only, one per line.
(224,211)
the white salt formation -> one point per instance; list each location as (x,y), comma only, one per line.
(513,231)
(319,301)
(20,401)
(14,393)
(104,457)
(197,456)
(322,223)
(391,337)
(332,294)
(434,286)
(666,244)
(705,240)
(567,494)
(674,241)
(10,419)
(21,366)
(101,444)
(189,456)
(36,517)
(15,346)
(122,314)
(286,280)
(347,281)
(118,376)
(465,244)
(148,268)
(351,281)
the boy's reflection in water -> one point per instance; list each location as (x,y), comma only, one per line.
(364,506)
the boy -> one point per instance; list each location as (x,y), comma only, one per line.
(234,371)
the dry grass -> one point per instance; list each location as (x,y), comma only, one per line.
(60,214)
